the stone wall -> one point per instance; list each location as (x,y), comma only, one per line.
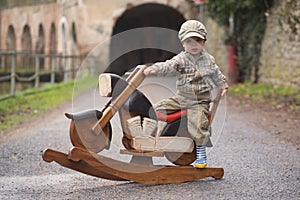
(215,44)
(280,56)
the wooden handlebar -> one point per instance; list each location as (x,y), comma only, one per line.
(215,105)
(134,80)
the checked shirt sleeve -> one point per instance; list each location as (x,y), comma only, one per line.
(168,67)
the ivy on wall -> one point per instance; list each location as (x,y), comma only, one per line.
(245,22)
(289,18)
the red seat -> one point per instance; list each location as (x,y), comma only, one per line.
(174,116)
(171,117)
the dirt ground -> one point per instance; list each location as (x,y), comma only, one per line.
(279,120)
(256,164)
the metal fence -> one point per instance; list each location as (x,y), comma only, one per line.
(34,69)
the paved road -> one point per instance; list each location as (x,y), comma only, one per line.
(257,165)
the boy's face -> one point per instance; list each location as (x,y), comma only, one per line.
(193,45)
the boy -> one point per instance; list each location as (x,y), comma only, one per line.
(197,74)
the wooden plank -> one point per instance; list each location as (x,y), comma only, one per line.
(215,106)
(175,144)
(145,173)
(165,144)
(142,153)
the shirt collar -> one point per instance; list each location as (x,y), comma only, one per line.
(194,58)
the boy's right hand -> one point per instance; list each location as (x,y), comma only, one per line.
(149,71)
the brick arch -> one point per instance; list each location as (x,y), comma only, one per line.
(10,44)
(63,36)
(143,15)
(11,38)
(26,46)
(52,39)
(40,44)
(26,39)
(64,43)
(74,48)
(74,33)
(52,44)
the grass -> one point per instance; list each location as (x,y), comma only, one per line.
(268,93)
(32,102)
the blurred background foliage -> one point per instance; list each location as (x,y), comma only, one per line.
(245,23)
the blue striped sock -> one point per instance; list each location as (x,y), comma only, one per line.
(201,154)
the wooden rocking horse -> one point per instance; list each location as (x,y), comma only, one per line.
(146,134)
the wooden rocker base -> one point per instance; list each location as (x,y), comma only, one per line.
(100,166)
(50,155)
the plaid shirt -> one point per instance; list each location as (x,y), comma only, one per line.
(195,76)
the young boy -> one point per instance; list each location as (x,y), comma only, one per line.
(197,74)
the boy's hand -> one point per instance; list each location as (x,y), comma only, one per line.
(224,91)
(149,71)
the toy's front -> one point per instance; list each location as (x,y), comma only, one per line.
(146,133)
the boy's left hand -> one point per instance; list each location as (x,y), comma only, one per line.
(149,71)
(224,91)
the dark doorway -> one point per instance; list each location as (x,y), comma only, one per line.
(144,45)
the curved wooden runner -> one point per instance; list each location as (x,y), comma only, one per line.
(50,155)
(107,168)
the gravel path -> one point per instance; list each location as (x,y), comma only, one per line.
(257,166)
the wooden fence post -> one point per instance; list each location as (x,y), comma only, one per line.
(67,63)
(37,71)
(65,67)
(13,74)
(52,69)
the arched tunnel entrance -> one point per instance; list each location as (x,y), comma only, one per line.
(145,15)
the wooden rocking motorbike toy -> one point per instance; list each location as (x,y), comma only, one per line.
(146,134)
